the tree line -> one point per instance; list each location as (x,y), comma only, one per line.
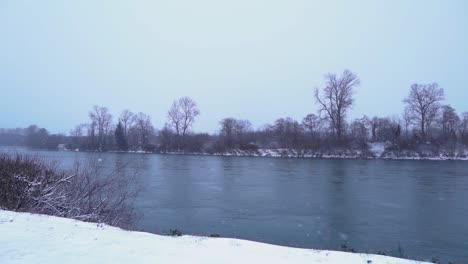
(425,121)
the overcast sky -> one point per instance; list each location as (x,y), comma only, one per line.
(250,59)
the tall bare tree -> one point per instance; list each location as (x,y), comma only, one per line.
(102,119)
(127,118)
(450,121)
(78,131)
(233,131)
(384,129)
(91,132)
(144,127)
(227,131)
(242,127)
(288,132)
(181,115)
(359,131)
(407,123)
(337,98)
(189,112)
(423,104)
(175,118)
(463,128)
(77,134)
(313,124)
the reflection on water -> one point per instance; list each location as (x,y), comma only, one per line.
(374,205)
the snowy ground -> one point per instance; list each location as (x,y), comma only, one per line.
(377,148)
(27,238)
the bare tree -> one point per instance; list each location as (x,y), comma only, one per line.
(407,123)
(288,131)
(337,98)
(144,127)
(78,131)
(242,127)
(77,134)
(374,124)
(463,128)
(101,117)
(181,116)
(127,118)
(450,121)
(91,132)
(423,104)
(227,131)
(175,118)
(189,112)
(384,129)
(166,137)
(313,124)
(233,131)
(359,132)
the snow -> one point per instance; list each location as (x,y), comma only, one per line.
(377,148)
(27,238)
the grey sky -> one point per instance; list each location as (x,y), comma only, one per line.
(250,59)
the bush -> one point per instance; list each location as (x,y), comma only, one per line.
(85,192)
(175,232)
(249,147)
(346,248)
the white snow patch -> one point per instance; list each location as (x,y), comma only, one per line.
(377,148)
(28,238)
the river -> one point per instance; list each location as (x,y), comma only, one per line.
(420,207)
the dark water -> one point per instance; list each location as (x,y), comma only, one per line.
(373,205)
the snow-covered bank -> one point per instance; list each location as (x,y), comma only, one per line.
(373,153)
(27,238)
(376,150)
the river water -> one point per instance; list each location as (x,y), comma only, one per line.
(420,207)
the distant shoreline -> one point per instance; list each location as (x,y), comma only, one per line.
(275,154)
(293,154)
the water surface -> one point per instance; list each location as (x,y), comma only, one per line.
(373,205)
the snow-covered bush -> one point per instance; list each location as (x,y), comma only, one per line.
(86,192)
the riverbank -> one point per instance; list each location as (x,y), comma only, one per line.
(345,154)
(375,151)
(28,238)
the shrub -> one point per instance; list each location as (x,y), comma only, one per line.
(175,232)
(86,192)
(345,247)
